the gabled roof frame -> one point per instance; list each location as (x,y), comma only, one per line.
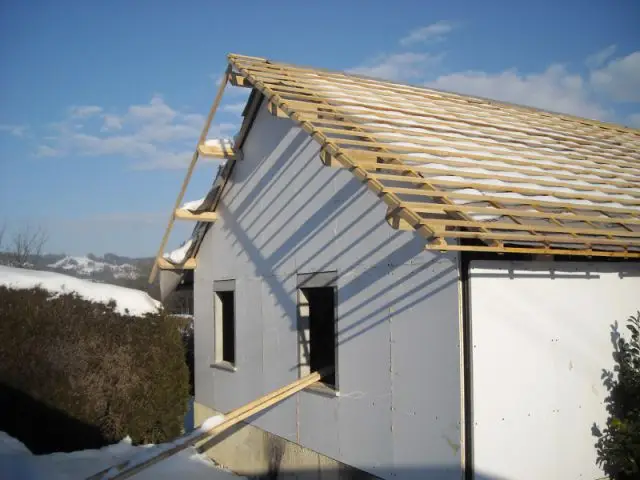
(416,195)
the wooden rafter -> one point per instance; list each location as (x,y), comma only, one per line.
(508,178)
(443,163)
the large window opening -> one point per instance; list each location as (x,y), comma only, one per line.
(225,320)
(317,321)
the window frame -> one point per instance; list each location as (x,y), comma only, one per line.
(224,287)
(325,279)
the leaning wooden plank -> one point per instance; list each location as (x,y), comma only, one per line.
(165,264)
(183,214)
(187,178)
(129,468)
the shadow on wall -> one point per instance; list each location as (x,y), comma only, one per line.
(305,220)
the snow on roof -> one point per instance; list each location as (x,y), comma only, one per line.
(135,301)
(179,255)
(17,462)
(193,205)
(460,168)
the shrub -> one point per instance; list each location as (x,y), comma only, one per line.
(619,444)
(76,374)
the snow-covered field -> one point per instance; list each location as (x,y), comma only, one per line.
(135,301)
(18,463)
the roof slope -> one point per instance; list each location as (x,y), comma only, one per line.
(455,167)
(467,173)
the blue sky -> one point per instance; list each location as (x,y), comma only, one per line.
(102,102)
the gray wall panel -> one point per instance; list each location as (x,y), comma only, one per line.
(319,424)
(285,214)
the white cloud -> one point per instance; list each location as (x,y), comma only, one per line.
(84,111)
(434,32)
(157,111)
(111,123)
(597,59)
(15,130)
(153,135)
(554,89)
(620,78)
(398,66)
(235,108)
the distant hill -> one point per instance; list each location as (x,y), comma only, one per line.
(110,268)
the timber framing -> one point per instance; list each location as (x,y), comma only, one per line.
(468,174)
(182,214)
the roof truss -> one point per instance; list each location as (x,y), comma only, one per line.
(444,210)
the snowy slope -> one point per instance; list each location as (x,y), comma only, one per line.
(135,301)
(18,463)
(86,266)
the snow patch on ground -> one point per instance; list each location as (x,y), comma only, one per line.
(18,463)
(135,301)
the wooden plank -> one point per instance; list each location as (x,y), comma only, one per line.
(187,177)
(496,225)
(182,214)
(528,114)
(129,468)
(548,239)
(517,201)
(238,80)
(607,152)
(523,214)
(399,88)
(488,187)
(500,174)
(534,250)
(164,264)
(217,151)
(569,161)
(419,225)
(333,147)
(444,157)
(280,85)
(276,111)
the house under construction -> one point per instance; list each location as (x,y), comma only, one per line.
(452,264)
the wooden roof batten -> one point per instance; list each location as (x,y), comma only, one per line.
(597,215)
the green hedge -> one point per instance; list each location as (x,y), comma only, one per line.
(76,374)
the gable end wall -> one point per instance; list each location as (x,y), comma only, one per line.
(284,213)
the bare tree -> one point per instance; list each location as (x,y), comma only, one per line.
(27,245)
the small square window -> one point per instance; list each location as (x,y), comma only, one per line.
(224,322)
